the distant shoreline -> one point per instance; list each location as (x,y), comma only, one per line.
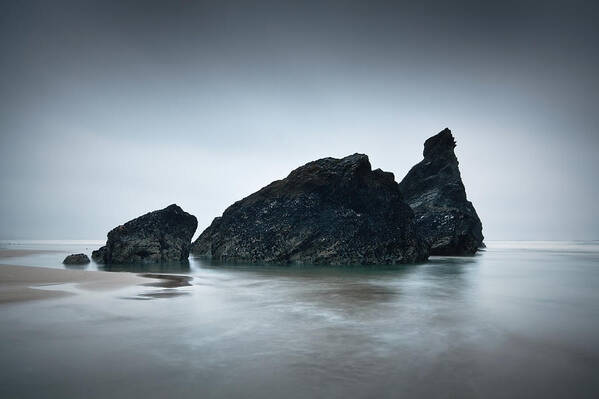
(14,253)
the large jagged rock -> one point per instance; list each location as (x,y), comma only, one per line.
(434,190)
(330,211)
(159,236)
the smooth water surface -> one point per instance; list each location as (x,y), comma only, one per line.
(520,319)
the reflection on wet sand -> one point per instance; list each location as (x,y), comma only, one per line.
(169,283)
(164,294)
(171,267)
(168,280)
(76,267)
(168,293)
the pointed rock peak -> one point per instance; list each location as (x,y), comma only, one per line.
(173,208)
(356,160)
(439,145)
(356,163)
(436,193)
(357,157)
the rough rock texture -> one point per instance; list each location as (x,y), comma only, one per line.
(435,191)
(330,211)
(159,236)
(76,259)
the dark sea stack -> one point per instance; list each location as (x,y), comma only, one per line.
(434,190)
(76,259)
(330,211)
(159,236)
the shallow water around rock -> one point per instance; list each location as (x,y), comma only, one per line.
(518,320)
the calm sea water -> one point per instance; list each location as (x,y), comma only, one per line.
(521,319)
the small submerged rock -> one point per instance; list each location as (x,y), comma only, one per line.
(159,236)
(434,190)
(76,259)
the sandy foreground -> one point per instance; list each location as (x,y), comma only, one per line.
(17,283)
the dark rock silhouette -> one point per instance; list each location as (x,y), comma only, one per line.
(330,211)
(76,259)
(434,190)
(159,236)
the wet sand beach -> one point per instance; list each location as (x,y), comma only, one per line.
(23,283)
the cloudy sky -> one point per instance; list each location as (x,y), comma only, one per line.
(112,109)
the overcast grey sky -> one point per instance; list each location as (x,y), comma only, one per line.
(112,109)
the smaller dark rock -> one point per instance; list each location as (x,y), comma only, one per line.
(157,237)
(76,259)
